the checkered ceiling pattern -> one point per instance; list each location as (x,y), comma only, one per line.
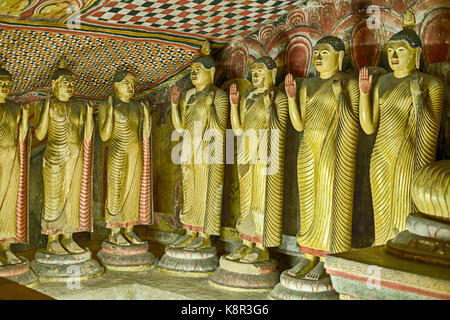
(156,39)
(213,19)
(92,59)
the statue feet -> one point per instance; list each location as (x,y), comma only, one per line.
(55,247)
(70,245)
(184,241)
(317,272)
(8,258)
(303,267)
(117,238)
(132,237)
(256,255)
(199,243)
(241,252)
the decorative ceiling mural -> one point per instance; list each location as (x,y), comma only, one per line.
(156,39)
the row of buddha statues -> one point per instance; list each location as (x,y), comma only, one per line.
(403,108)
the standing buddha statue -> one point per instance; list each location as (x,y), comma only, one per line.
(201,111)
(68,125)
(404,107)
(328,117)
(125,126)
(259,119)
(13,172)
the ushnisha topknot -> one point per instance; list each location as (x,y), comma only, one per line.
(205,59)
(267,61)
(408,34)
(62,70)
(336,43)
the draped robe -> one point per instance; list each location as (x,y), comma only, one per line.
(326,167)
(128,199)
(205,115)
(14,162)
(406,141)
(67,170)
(260,167)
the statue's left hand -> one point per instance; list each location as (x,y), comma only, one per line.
(416,85)
(25,110)
(337,87)
(147,121)
(89,108)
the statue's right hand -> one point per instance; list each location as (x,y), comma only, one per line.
(175,95)
(365,81)
(47,101)
(290,86)
(234,94)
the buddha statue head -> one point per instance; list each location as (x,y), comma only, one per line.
(403,50)
(5,84)
(123,85)
(264,73)
(63,82)
(202,72)
(328,56)
(203,68)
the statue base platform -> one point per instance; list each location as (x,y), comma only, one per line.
(20,273)
(68,267)
(375,273)
(126,258)
(245,277)
(299,288)
(188,262)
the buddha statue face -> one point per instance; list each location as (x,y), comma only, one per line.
(262,78)
(326,59)
(124,89)
(5,86)
(200,76)
(63,87)
(402,58)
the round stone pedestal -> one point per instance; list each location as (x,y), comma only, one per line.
(135,257)
(68,267)
(299,288)
(20,273)
(189,262)
(248,277)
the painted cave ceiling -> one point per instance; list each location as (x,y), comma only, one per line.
(155,39)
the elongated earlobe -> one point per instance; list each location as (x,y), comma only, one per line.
(341,59)
(274,76)
(212,73)
(418,53)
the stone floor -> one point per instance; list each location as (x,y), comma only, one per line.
(145,285)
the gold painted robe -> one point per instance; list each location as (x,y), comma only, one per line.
(260,167)
(406,141)
(128,150)
(14,158)
(67,170)
(202,179)
(326,168)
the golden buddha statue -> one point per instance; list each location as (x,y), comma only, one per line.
(125,126)
(328,117)
(259,119)
(13,171)
(201,114)
(68,125)
(404,107)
